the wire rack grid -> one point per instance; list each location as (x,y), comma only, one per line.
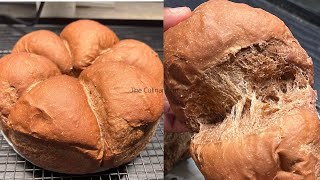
(148,165)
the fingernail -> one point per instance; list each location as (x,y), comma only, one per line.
(179,10)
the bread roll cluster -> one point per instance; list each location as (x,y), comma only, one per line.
(242,82)
(66,103)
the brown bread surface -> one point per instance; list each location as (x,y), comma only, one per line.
(67,113)
(242,82)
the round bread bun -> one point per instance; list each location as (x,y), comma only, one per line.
(241,81)
(86,40)
(79,125)
(135,53)
(47,44)
(18,73)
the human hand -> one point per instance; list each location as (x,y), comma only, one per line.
(171,123)
(172,16)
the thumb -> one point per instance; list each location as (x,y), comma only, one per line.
(172,16)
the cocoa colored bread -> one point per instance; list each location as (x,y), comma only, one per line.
(86,40)
(244,84)
(176,148)
(78,125)
(47,44)
(135,53)
(18,72)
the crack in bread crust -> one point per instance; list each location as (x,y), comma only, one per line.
(91,94)
(70,110)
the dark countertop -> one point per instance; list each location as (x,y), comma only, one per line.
(151,35)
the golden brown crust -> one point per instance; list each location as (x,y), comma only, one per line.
(51,155)
(48,113)
(86,40)
(47,44)
(222,30)
(116,104)
(216,31)
(85,125)
(17,73)
(116,90)
(240,79)
(138,54)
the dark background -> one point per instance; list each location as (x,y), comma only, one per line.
(302,18)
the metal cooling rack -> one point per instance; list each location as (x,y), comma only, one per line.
(148,165)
